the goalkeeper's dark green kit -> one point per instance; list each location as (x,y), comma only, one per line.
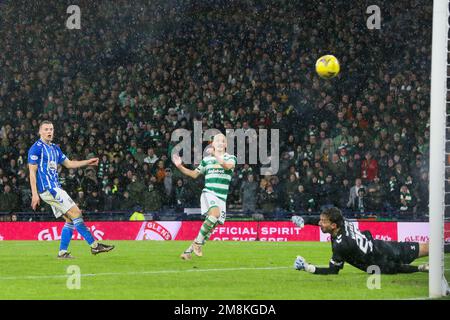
(361,251)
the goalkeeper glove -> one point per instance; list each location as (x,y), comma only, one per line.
(298,221)
(301,264)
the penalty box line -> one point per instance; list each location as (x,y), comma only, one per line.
(37,277)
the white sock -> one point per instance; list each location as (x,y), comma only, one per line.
(189,250)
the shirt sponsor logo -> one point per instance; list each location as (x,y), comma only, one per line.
(212,171)
(52,165)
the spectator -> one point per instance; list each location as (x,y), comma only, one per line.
(125,202)
(304,202)
(9,201)
(81,200)
(359,204)
(369,168)
(327,193)
(136,190)
(151,157)
(375,195)
(116,187)
(337,168)
(89,182)
(94,202)
(291,188)
(268,200)
(244,171)
(407,201)
(139,156)
(103,167)
(249,194)
(422,194)
(168,186)
(160,172)
(137,215)
(354,193)
(153,199)
(343,191)
(181,195)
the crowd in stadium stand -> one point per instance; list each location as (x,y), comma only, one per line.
(137,70)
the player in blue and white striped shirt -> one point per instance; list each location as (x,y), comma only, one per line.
(43,159)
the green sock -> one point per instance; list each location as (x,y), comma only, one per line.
(211,231)
(207,226)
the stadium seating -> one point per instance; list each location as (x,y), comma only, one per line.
(120,86)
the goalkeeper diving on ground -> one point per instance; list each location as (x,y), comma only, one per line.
(359,249)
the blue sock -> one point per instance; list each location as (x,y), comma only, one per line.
(83,230)
(66,236)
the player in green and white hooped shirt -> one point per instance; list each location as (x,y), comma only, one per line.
(218,170)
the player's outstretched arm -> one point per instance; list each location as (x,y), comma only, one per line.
(301,221)
(73,164)
(34,193)
(179,164)
(301,265)
(324,271)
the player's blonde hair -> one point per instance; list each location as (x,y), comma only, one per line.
(219,135)
(45,122)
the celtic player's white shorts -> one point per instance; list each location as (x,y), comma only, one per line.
(209,200)
(59,200)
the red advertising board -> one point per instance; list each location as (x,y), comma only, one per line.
(52,230)
(447,232)
(162,230)
(287,231)
(386,231)
(188,230)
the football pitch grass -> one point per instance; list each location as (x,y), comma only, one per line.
(227,271)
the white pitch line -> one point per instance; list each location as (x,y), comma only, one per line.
(138,273)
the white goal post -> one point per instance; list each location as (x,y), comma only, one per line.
(437,283)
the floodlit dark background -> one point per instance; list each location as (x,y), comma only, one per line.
(137,70)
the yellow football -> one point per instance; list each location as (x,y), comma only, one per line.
(327,66)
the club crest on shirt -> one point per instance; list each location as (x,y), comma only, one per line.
(52,165)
